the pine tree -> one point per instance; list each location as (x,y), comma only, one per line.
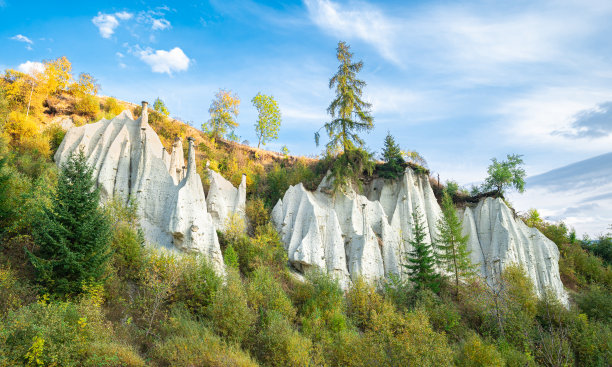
(72,236)
(454,255)
(350,114)
(422,258)
(392,155)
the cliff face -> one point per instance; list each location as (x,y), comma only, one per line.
(351,235)
(130,163)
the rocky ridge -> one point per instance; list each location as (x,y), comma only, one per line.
(130,163)
(351,235)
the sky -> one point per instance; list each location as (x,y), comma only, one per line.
(459,82)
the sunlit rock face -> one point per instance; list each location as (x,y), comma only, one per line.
(130,163)
(351,235)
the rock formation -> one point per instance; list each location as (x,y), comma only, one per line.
(130,163)
(351,235)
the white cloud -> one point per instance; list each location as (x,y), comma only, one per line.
(120,55)
(364,22)
(31,67)
(106,24)
(22,38)
(124,15)
(160,24)
(162,61)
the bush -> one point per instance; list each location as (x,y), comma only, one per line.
(362,304)
(19,127)
(278,344)
(113,107)
(197,284)
(475,353)
(187,342)
(87,106)
(62,334)
(257,214)
(265,295)
(229,312)
(595,302)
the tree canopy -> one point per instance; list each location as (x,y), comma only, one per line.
(223,112)
(350,113)
(506,174)
(268,118)
(160,107)
(73,236)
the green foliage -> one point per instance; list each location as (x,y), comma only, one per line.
(229,311)
(268,118)
(230,257)
(476,353)
(363,304)
(223,112)
(394,165)
(421,260)
(348,168)
(197,284)
(266,295)
(62,334)
(73,235)
(452,188)
(285,150)
(279,344)
(160,107)
(350,114)
(453,254)
(506,174)
(533,219)
(188,342)
(257,214)
(595,302)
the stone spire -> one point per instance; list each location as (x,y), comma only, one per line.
(144,116)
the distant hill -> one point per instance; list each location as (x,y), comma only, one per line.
(579,194)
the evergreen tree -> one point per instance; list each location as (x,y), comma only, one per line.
(422,258)
(350,114)
(72,236)
(392,155)
(454,254)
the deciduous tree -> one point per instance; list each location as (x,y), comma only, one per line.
(268,119)
(505,174)
(223,112)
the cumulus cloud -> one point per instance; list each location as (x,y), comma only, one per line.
(162,61)
(155,19)
(592,123)
(160,24)
(31,67)
(106,24)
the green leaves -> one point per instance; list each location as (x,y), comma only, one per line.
(508,173)
(269,118)
(223,112)
(350,114)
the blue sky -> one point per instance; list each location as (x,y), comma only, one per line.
(459,83)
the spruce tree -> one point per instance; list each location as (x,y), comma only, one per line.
(73,235)
(421,260)
(350,114)
(392,155)
(454,254)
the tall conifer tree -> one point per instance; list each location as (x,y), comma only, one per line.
(392,155)
(72,236)
(421,259)
(350,114)
(454,254)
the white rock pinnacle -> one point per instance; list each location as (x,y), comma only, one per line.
(351,235)
(130,162)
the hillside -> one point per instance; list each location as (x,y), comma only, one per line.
(85,281)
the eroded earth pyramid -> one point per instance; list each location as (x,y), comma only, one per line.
(352,235)
(130,163)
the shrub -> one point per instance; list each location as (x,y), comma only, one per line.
(257,214)
(475,353)
(113,107)
(15,292)
(62,334)
(87,106)
(278,344)
(55,134)
(403,340)
(197,284)
(19,127)
(265,295)
(595,302)
(362,304)
(229,312)
(187,342)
